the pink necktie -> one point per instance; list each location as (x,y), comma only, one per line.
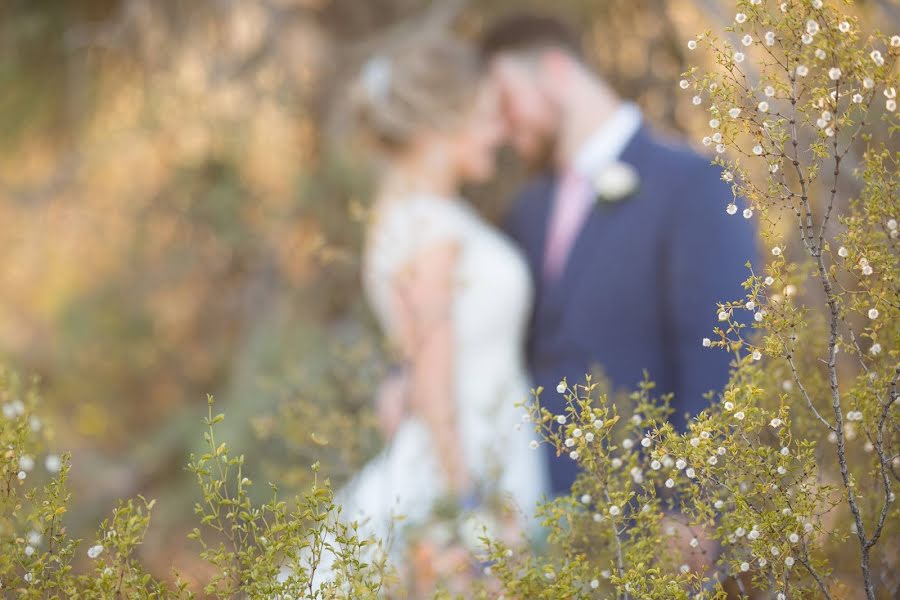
(571,205)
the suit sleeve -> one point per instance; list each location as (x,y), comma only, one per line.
(706,263)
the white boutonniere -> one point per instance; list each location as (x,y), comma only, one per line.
(615,181)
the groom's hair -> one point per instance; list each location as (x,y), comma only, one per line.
(529,32)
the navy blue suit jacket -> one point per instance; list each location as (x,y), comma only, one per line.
(640,286)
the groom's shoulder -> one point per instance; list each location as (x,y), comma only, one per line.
(676,161)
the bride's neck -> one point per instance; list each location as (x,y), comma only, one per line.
(417,173)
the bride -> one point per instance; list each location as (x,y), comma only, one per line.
(452,295)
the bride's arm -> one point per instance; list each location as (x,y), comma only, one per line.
(424,293)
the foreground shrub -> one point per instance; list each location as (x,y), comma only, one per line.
(786,481)
(270,550)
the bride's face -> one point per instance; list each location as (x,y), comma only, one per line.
(473,145)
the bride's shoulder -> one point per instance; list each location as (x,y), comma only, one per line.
(420,217)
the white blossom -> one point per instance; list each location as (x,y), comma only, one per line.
(680,464)
(757,149)
(877,58)
(763,106)
(875,349)
(692,44)
(577,433)
(747,40)
(748,212)
(817,4)
(842,252)
(569,442)
(812,27)
(696,100)
(769,280)
(561,387)
(574,455)
(713,123)
(775,551)
(757,355)
(745,566)
(707,342)
(614,510)
(22,475)
(857,98)
(770,38)
(806,38)
(627,444)
(789,561)
(95,551)
(802,70)
(26,463)
(734,113)
(684,83)
(718,504)
(781,470)
(834,73)
(723,315)
(695,442)
(646,442)
(740,18)
(868,83)
(890,105)
(785,451)
(595,583)
(873,313)
(655,465)
(820,54)
(589,437)
(895,41)
(731,208)
(670,482)
(598,423)
(586,499)
(713,460)
(534,444)
(561,419)
(53,463)
(616,463)
(891,224)
(775,423)
(763,562)
(753,533)
(738,57)
(794,538)
(690,472)
(844,26)
(739,415)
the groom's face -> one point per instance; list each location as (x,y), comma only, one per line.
(532,118)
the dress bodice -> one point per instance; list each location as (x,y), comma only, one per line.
(492,288)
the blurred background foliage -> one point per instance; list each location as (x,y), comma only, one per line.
(178,217)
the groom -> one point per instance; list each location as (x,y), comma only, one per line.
(626,234)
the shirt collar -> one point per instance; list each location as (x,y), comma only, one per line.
(607,143)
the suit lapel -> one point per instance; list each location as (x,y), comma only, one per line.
(586,249)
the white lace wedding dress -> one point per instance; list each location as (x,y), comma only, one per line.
(491,306)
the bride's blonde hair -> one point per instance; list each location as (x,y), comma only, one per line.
(427,83)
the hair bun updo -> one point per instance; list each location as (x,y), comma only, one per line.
(425,84)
